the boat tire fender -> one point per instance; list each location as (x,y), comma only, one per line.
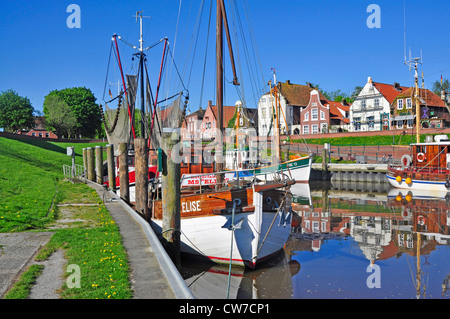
(406,160)
(447,184)
(268,200)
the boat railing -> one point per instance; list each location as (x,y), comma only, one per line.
(197,182)
(423,170)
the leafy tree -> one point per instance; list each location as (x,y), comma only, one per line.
(16,112)
(438,87)
(59,116)
(82,103)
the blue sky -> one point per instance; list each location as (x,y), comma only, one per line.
(325,42)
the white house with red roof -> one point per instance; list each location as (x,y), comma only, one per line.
(371,109)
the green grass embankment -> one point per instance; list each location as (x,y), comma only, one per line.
(31,187)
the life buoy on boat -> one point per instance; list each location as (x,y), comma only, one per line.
(421,157)
(406,160)
(421,220)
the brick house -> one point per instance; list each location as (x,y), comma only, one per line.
(433,111)
(191,126)
(209,123)
(39,129)
(323,116)
(293,98)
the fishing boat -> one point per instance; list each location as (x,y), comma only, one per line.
(426,166)
(224,217)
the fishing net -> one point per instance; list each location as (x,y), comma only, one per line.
(117,120)
(167,119)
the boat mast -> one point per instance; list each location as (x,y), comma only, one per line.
(219,84)
(221,21)
(415,62)
(277,116)
(141,70)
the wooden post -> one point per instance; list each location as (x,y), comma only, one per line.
(85,160)
(99,165)
(141,172)
(90,164)
(324,164)
(111,166)
(123,172)
(170,182)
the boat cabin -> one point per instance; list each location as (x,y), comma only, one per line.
(432,154)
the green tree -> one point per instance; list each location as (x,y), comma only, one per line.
(438,87)
(87,113)
(16,112)
(59,116)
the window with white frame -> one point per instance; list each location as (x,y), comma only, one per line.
(314,114)
(357,123)
(410,123)
(363,104)
(399,104)
(322,115)
(408,104)
(371,122)
(305,129)
(399,124)
(307,116)
(315,129)
(376,102)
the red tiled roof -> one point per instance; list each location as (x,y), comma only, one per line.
(334,110)
(389,91)
(428,97)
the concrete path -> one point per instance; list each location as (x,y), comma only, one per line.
(17,250)
(153,275)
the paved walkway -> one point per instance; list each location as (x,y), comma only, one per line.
(153,275)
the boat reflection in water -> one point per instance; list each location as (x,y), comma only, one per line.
(350,241)
(270,281)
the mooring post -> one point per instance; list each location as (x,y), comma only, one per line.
(124,181)
(85,161)
(324,164)
(99,165)
(90,164)
(170,182)
(111,166)
(141,172)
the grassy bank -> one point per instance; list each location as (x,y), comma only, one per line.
(32,186)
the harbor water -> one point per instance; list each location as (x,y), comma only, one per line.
(348,240)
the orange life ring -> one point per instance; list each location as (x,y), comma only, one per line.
(420,157)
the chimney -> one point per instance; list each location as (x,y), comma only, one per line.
(288,82)
(344,102)
(397,86)
(209,103)
(309,85)
(369,79)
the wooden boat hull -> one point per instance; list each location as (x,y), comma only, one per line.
(298,169)
(209,237)
(206,230)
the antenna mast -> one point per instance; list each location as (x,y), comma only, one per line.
(415,62)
